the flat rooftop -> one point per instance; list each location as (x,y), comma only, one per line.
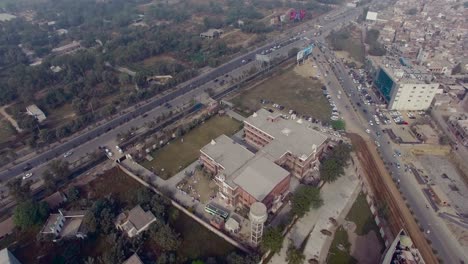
(293,136)
(227,153)
(254,173)
(403,71)
(260,176)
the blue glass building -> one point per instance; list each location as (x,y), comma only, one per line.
(384,84)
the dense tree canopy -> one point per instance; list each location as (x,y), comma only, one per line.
(332,167)
(29,213)
(272,240)
(19,190)
(294,255)
(305,198)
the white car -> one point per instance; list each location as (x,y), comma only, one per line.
(371,123)
(367,131)
(27,175)
(68,154)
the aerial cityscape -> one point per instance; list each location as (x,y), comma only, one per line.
(233,131)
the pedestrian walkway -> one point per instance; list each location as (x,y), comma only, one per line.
(235,115)
(338,198)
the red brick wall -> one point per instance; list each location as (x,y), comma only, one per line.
(279,189)
(209,164)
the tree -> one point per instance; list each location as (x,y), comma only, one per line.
(341,153)
(198,261)
(29,213)
(50,182)
(18,190)
(304,198)
(73,194)
(28,123)
(165,237)
(294,255)
(293,52)
(333,166)
(60,169)
(272,240)
(338,125)
(235,258)
(330,170)
(412,11)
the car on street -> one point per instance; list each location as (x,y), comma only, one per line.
(27,175)
(68,154)
(367,131)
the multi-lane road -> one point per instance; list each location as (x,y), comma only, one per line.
(102,134)
(434,227)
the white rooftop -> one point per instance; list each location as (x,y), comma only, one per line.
(227,153)
(289,135)
(260,176)
(6,17)
(255,174)
(371,16)
(35,111)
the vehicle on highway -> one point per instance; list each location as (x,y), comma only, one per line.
(27,175)
(68,154)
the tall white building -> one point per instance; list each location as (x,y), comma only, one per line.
(405,86)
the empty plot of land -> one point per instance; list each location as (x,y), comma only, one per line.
(291,90)
(181,152)
(444,174)
(366,244)
(340,248)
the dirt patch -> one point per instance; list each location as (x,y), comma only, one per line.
(347,57)
(460,233)
(237,38)
(289,89)
(366,249)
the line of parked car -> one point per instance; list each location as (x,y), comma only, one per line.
(335,113)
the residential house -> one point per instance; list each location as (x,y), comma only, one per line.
(36,112)
(64,224)
(135,221)
(211,33)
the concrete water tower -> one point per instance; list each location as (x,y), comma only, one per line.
(258,216)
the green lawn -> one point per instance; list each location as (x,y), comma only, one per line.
(291,90)
(177,155)
(361,215)
(336,255)
(6,130)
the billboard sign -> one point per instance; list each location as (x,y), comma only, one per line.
(300,55)
(304,52)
